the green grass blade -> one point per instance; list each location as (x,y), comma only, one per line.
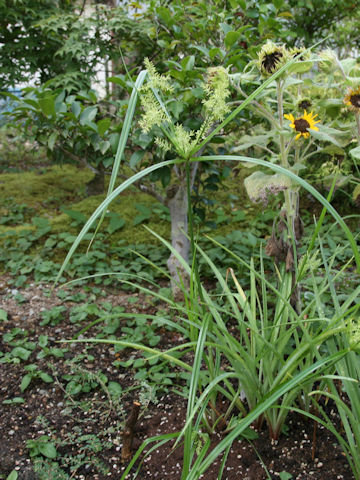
(138,346)
(194,384)
(160,440)
(264,405)
(202,400)
(102,207)
(123,140)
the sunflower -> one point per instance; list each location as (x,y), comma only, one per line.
(304,104)
(271,58)
(352,99)
(302,124)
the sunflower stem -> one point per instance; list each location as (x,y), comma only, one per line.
(357,117)
(283,153)
(291,195)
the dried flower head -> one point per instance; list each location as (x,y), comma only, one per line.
(328,59)
(271,58)
(352,99)
(300,53)
(303,57)
(303,124)
(304,104)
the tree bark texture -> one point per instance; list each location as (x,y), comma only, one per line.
(178,205)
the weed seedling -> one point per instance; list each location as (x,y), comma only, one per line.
(33,374)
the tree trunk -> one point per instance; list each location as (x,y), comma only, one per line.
(177,202)
(96,185)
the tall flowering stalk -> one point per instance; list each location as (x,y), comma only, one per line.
(182,142)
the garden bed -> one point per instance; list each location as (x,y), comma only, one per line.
(84,427)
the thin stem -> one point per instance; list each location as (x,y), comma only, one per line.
(309,155)
(260,108)
(357,117)
(291,194)
(266,149)
(289,145)
(283,154)
(338,63)
(297,154)
(309,144)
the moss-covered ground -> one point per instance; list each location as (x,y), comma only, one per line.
(47,192)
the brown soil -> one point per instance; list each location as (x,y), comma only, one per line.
(46,411)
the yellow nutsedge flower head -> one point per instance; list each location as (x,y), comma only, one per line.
(217,77)
(352,99)
(303,124)
(157,81)
(217,91)
(153,115)
(271,58)
(163,144)
(184,139)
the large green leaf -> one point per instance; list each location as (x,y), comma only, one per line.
(47,105)
(88,115)
(231,37)
(355,153)
(103,125)
(332,135)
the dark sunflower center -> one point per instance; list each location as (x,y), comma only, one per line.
(355,100)
(304,104)
(301,125)
(270,61)
(299,56)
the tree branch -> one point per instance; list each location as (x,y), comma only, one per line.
(149,189)
(79,160)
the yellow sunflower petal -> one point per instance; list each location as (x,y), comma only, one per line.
(315,128)
(298,136)
(289,116)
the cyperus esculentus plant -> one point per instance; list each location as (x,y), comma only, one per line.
(181,141)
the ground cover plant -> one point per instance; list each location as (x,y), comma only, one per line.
(201,318)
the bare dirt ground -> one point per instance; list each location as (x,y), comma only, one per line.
(87,428)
